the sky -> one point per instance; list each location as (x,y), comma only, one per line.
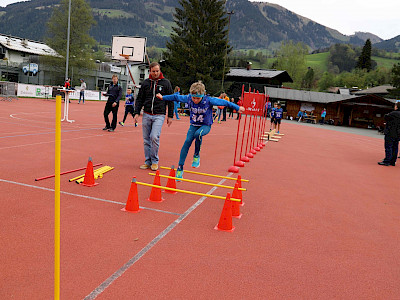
(347,16)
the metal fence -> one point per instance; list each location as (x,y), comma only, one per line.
(8,91)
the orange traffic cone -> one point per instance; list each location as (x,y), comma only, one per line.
(225,221)
(240,195)
(155,195)
(132,204)
(171,183)
(89,175)
(235,204)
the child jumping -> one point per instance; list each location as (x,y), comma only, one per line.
(129,106)
(278,117)
(200,107)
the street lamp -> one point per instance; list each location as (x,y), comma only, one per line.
(226,50)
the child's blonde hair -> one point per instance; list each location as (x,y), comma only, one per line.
(198,88)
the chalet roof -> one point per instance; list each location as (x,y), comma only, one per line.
(238,74)
(382,89)
(306,96)
(26,46)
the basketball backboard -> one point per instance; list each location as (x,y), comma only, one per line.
(134,48)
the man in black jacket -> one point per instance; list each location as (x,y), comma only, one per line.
(114,93)
(154,113)
(392,136)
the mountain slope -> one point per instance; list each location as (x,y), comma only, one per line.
(253,25)
(392,45)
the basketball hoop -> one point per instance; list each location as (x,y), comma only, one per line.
(125,56)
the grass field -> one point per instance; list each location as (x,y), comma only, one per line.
(318,61)
(385,62)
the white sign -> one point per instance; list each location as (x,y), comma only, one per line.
(34,91)
(115,69)
(89,95)
(307,107)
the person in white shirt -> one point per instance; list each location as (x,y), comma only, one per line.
(82,93)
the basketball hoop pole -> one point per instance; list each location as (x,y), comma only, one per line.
(126,56)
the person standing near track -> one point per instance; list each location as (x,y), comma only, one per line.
(154,111)
(272,116)
(129,106)
(176,104)
(82,91)
(278,117)
(392,137)
(114,93)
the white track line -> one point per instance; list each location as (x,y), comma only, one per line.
(83,196)
(103,286)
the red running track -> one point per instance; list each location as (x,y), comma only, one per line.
(320,219)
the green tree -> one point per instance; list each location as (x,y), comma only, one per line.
(81,43)
(308,79)
(395,93)
(198,43)
(291,57)
(396,76)
(343,57)
(327,80)
(364,60)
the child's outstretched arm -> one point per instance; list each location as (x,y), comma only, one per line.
(221,102)
(174,97)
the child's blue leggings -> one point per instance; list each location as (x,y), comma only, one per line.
(194,132)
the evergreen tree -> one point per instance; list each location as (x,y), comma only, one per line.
(308,79)
(81,43)
(396,76)
(364,60)
(198,43)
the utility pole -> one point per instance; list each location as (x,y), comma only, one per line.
(226,50)
(68,34)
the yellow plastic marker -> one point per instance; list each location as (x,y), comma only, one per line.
(57,193)
(199,182)
(205,174)
(185,192)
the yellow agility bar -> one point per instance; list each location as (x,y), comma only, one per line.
(206,174)
(184,191)
(198,182)
(57,193)
(94,172)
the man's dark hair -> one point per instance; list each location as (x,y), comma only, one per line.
(154,64)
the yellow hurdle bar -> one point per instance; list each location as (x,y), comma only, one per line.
(206,174)
(97,175)
(199,182)
(184,191)
(94,172)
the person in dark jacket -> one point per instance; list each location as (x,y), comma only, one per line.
(154,113)
(392,136)
(114,93)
